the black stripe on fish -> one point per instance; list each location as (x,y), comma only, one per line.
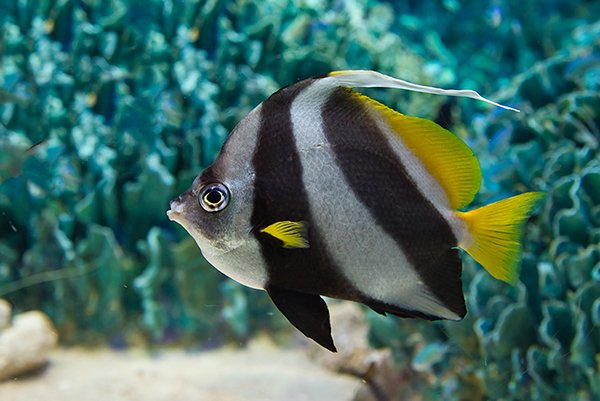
(380,181)
(279,195)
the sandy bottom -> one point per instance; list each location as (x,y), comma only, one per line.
(260,372)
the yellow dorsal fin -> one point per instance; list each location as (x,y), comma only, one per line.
(447,158)
(292,234)
(494,238)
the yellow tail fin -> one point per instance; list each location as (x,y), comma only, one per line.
(495,234)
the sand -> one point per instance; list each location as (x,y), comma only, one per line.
(260,372)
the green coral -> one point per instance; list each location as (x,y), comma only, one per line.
(540,339)
(110,108)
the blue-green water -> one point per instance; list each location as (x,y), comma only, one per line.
(108,109)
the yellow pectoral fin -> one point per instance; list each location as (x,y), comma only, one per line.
(292,234)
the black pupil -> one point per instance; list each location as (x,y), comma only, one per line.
(214,196)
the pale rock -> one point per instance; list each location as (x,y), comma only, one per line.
(24,346)
(375,368)
(350,332)
(5,311)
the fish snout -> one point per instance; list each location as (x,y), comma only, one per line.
(174,202)
(176,207)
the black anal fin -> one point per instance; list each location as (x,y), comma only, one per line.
(307,312)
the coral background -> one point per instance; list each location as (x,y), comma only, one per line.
(108,109)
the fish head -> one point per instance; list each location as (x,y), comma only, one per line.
(216,209)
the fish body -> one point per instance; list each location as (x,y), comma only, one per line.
(321,191)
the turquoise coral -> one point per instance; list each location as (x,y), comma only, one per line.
(108,109)
(539,339)
(107,112)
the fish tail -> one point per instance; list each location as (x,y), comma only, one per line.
(494,234)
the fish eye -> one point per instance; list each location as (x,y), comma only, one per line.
(214,197)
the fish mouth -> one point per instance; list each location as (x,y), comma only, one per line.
(178,217)
(176,209)
(173,215)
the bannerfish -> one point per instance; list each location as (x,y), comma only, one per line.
(323,191)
